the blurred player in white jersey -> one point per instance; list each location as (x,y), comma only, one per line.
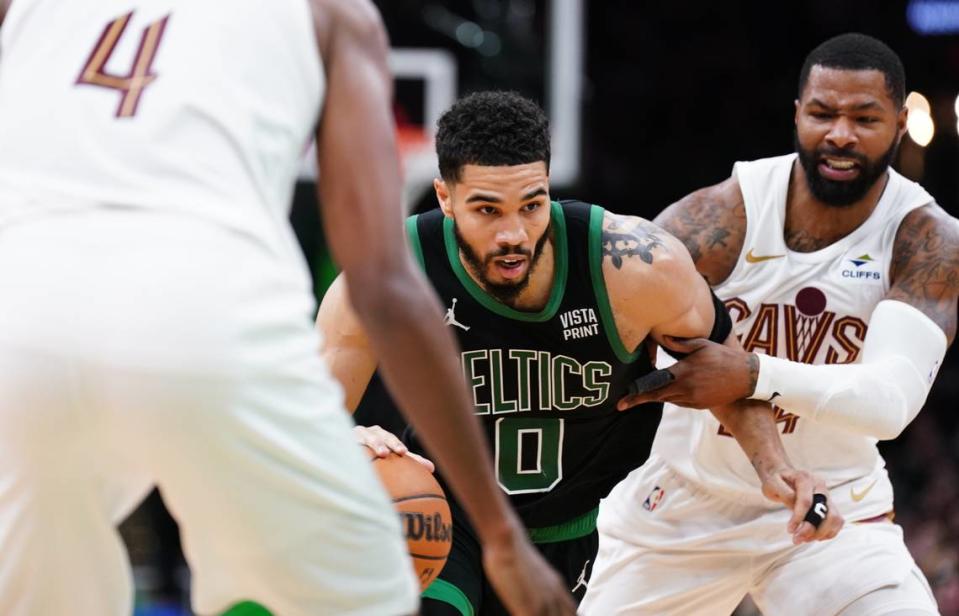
(825,257)
(156,321)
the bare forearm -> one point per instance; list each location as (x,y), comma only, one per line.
(419,362)
(753,424)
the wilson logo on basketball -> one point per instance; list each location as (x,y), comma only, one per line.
(423,527)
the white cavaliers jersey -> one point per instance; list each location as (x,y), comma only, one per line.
(202,107)
(809,307)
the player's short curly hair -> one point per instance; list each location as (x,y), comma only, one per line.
(491,128)
(856,52)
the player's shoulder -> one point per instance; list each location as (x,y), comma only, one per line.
(711,224)
(927,233)
(726,196)
(358,20)
(637,251)
(647,272)
(925,265)
(348,13)
(929,218)
(720,206)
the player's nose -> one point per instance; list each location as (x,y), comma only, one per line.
(511,233)
(842,133)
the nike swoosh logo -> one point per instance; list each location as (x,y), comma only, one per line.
(751,258)
(861,495)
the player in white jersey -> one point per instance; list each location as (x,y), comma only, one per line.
(156,322)
(842,279)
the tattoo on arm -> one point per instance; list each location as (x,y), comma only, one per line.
(925,266)
(717,238)
(711,223)
(630,237)
(753,363)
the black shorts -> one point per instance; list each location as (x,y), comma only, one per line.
(462,589)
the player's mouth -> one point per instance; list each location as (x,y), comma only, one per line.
(839,169)
(511,267)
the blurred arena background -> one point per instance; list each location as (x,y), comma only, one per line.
(649,101)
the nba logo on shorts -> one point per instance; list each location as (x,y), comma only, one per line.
(655,497)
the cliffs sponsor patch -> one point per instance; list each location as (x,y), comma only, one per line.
(861,269)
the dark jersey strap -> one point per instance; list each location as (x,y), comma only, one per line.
(722,326)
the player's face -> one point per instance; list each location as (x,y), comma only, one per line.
(501,217)
(847,131)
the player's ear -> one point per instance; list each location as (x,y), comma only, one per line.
(902,120)
(796,113)
(444,196)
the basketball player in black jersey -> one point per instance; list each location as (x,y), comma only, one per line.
(554,305)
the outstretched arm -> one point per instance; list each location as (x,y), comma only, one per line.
(360,197)
(655,290)
(658,264)
(909,332)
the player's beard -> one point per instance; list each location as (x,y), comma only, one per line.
(506,292)
(842,194)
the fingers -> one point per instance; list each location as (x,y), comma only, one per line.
(776,489)
(651,387)
(684,345)
(381,442)
(804,533)
(657,379)
(628,402)
(802,485)
(834,521)
(816,504)
(809,492)
(424,461)
(832,525)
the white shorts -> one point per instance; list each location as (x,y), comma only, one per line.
(685,551)
(139,349)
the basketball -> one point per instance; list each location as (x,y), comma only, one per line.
(424,513)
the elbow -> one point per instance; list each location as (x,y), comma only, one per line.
(888,432)
(899,414)
(903,398)
(881,410)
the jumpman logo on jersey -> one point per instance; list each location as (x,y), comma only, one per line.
(450,318)
(582,578)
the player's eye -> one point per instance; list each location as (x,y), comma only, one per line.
(868,120)
(487,210)
(821,115)
(532,207)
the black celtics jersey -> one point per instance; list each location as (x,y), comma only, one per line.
(545,384)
